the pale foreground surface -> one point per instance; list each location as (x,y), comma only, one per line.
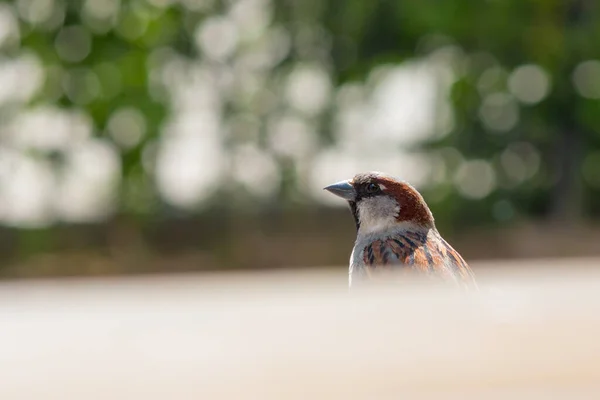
(531,332)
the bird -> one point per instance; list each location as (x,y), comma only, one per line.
(396,231)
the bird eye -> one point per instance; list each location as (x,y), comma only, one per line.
(372,188)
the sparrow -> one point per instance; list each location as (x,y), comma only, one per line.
(396,231)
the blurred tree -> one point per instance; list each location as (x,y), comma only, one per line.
(103,53)
(525,94)
(518,99)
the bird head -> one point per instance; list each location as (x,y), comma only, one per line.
(380,202)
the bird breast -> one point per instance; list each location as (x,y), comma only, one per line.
(419,250)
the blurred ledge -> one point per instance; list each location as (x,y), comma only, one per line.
(218,242)
(298,334)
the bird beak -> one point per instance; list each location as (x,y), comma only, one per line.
(343,189)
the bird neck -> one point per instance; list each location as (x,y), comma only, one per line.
(397,228)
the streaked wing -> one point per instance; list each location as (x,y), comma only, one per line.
(427,253)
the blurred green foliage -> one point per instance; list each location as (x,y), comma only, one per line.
(545,152)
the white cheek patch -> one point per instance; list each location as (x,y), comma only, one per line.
(377,213)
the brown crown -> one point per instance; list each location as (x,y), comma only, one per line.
(412,205)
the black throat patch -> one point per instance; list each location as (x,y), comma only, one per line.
(354,210)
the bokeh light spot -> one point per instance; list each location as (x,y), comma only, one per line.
(20,79)
(81,85)
(87,190)
(48,128)
(308,88)
(217,37)
(499,112)
(189,160)
(102,9)
(256,170)
(35,11)
(492,80)
(73,43)
(9,26)
(520,161)
(291,136)
(586,78)
(529,83)
(475,179)
(26,187)
(127,127)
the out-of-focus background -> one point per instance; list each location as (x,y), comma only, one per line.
(189,135)
(153,137)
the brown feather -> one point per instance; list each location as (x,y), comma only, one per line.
(413,207)
(423,253)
